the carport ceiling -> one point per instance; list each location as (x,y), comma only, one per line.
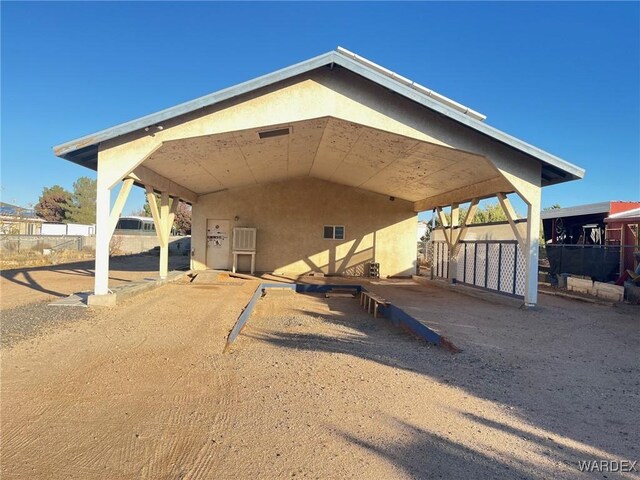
(327,148)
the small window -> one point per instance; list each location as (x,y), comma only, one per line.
(333,232)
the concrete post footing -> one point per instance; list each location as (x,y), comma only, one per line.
(108,300)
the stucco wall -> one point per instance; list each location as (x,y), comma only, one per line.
(290,216)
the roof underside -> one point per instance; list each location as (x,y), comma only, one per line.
(327,148)
(84,151)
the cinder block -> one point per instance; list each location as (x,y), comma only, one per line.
(632,292)
(608,291)
(579,285)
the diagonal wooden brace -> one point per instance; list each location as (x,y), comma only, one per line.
(511,217)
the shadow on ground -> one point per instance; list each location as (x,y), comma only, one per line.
(26,277)
(427,455)
(576,390)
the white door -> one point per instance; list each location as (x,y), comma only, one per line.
(218,244)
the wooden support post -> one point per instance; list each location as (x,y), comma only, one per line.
(166,230)
(532,251)
(445,225)
(453,238)
(455,222)
(103,236)
(162,219)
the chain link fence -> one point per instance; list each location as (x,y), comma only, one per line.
(603,263)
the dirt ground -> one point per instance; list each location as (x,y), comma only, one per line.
(315,388)
(22,286)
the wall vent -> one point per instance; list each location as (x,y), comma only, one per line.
(244,239)
(275,133)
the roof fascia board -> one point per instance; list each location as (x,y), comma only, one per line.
(589,209)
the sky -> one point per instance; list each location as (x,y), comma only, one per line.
(564,77)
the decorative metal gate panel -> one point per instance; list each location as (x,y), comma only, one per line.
(499,266)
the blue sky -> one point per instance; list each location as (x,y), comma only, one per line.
(562,76)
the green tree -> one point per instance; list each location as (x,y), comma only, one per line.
(83,201)
(54,204)
(182,221)
(490,213)
(146,208)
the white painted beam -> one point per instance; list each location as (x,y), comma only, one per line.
(172,214)
(146,176)
(445,225)
(155,213)
(480,190)
(453,238)
(511,217)
(123,194)
(531,254)
(166,230)
(506,206)
(471,214)
(103,236)
(118,160)
(455,222)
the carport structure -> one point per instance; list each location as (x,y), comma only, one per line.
(334,124)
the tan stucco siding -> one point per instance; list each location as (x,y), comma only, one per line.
(290,216)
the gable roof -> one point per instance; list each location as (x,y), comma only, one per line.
(84,150)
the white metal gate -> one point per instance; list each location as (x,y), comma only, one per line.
(440,259)
(496,265)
